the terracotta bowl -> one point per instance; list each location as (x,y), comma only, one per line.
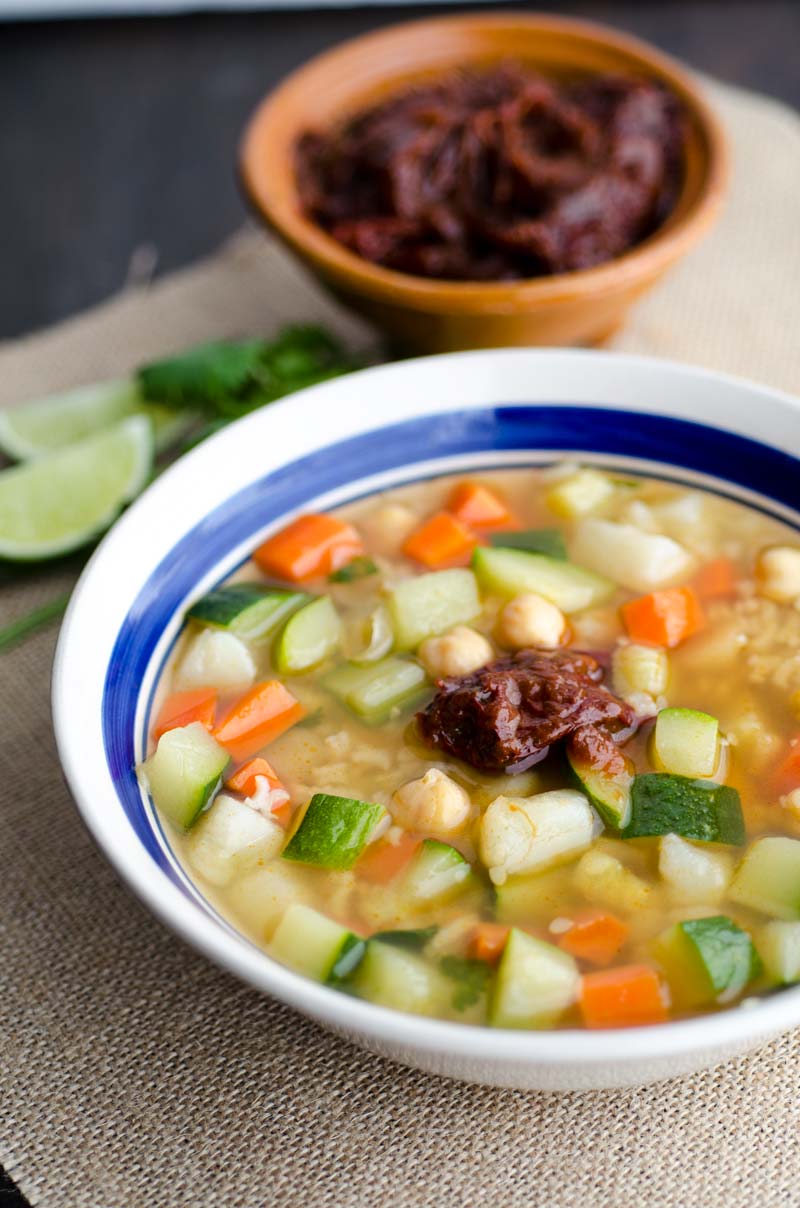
(437,316)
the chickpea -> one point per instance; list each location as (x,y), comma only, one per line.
(778,573)
(531,620)
(388,526)
(458,652)
(433,803)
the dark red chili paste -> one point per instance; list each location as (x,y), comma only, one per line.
(498,175)
(508,715)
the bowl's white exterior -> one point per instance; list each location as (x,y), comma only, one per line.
(243,453)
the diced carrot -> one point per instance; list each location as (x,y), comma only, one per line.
(624,997)
(487,941)
(787,777)
(243,780)
(476,505)
(283,813)
(664,618)
(257,718)
(312,545)
(383,861)
(442,541)
(182,708)
(595,937)
(716,579)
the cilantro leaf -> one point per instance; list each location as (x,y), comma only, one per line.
(358,568)
(471,979)
(203,376)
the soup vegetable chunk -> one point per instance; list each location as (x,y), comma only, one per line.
(520,750)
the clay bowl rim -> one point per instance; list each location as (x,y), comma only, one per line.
(269,186)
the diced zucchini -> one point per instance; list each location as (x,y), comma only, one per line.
(249,610)
(313,944)
(412,938)
(691,874)
(184,773)
(373,692)
(663,804)
(535,984)
(393,977)
(436,874)
(532,899)
(370,638)
(634,559)
(548,541)
(609,792)
(526,834)
(606,881)
(579,494)
(768,878)
(778,945)
(334,831)
(638,668)
(312,634)
(707,960)
(686,742)
(230,838)
(430,604)
(509,572)
(215,658)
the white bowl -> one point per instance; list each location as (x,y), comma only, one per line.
(329,444)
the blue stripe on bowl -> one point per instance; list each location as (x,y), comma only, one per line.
(662,439)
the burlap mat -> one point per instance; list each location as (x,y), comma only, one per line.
(133,1073)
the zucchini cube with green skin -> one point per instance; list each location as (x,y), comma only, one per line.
(334,831)
(311,635)
(535,983)
(184,773)
(768,878)
(610,794)
(431,604)
(393,977)
(532,899)
(509,572)
(707,960)
(313,944)
(249,610)
(778,944)
(375,691)
(686,742)
(549,541)
(663,804)
(436,874)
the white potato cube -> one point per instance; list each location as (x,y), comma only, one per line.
(215,659)
(523,834)
(636,560)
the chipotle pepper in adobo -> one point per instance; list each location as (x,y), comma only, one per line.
(498,175)
(507,716)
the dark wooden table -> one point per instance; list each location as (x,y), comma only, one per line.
(119,135)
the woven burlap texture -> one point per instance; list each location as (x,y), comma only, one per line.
(133,1073)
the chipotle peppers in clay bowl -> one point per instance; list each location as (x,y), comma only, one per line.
(488,180)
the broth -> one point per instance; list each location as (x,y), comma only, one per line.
(630,894)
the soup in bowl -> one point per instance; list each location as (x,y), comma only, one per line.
(483,721)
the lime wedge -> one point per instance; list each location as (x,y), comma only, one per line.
(60,502)
(38,428)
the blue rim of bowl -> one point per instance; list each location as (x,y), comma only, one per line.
(668,443)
